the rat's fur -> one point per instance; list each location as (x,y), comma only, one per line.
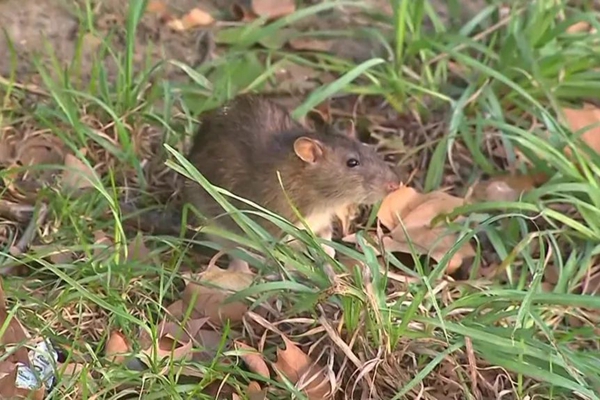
(242,147)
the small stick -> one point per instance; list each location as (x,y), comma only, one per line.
(16,212)
(30,231)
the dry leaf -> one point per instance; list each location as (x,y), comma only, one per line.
(397,202)
(581,120)
(416,211)
(40,149)
(102,245)
(14,334)
(255,392)
(294,78)
(62,257)
(434,242)
(507,188)
(195,18)
(77,174)
(173,334)
(169,347)
(208,301)
(176,310)
(273,8)
(117,347)
(9,386)
(581,26)
(137,250)
(156,7)
(253,359)
(299,369)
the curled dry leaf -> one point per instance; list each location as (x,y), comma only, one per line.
(77,175)
(581,120)
(117,347)
(298,367)
(193,19)
(253,359)
(208,301)
(255,392)
(273,8)
(417,210)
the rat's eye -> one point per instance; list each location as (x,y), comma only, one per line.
(353,162)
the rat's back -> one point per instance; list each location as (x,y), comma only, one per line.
(231,148)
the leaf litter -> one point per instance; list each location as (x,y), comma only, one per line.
(179,338)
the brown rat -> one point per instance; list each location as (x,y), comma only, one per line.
(242,146)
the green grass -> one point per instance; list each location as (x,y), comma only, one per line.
(515,71)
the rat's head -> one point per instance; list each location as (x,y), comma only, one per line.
(343,169)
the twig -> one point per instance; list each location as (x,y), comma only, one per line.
(16,212)
(27,87)
(30,231)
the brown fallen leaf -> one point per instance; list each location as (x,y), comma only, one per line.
(14,334)
(137,250)
(577,27)
(208,301)
(417,210)
(168,347)
(9,387)
(295,78)
(253,359)
(581,120)
(298,367)
(40,149)
(77,174)
(156,7)
(193,19)
(435,242)
(273,8)
(507,188)
(176,310)
(396,203)
(102,245)
(172,333)
(255,392)
(117,347)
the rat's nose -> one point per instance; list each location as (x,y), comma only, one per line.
(392,186)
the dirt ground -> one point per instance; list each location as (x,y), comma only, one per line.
(60,28)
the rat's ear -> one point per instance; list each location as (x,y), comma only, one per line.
(308,150)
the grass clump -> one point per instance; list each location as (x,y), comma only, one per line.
(455,103)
